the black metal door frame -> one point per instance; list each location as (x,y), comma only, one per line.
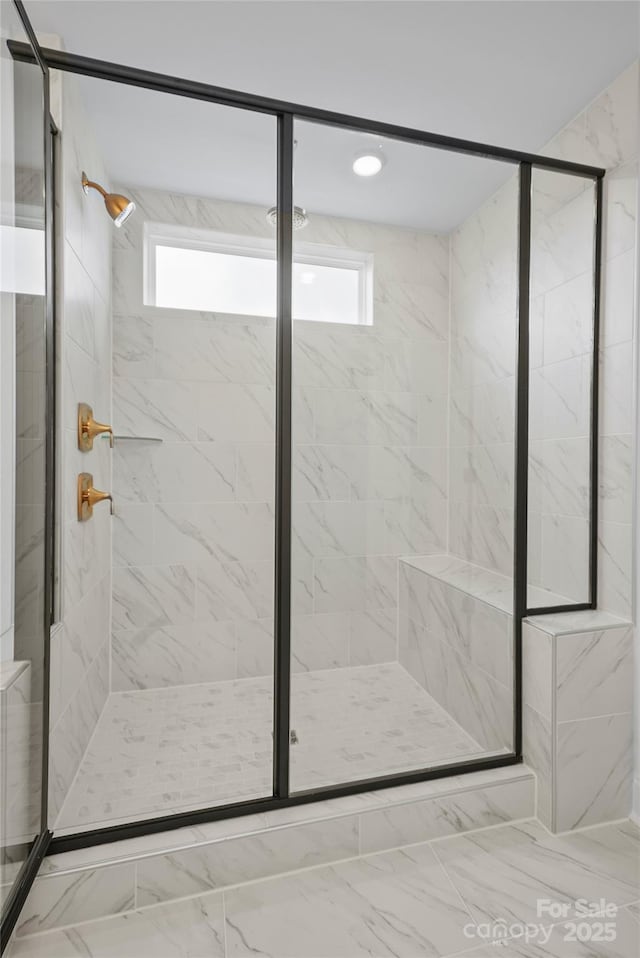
(16,898)
(286,114)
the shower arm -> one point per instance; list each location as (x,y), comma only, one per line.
(89,184)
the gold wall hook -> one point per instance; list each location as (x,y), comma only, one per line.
(88,428)
(88,497)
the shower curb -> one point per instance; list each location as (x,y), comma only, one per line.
(112,879)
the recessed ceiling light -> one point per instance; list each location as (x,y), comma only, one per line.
(368,162)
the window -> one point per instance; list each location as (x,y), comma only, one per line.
(216,272)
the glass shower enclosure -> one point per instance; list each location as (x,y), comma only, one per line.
(338,470)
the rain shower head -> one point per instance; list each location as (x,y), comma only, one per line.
(118,207)
(300,218)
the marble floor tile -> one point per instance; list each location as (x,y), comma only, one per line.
(502,873)
(172,749)
(398,903)
(186,929)
(558,941)
(412,903)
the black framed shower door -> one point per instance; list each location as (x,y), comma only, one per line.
(286,114)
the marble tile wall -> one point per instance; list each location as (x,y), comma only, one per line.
(578,722)
(459,647)
(482,356)
(193,531)
(80,640)
(20,764)
(484,252)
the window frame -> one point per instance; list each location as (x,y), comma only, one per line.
(255,247)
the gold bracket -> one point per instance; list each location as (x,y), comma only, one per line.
(88,428)
(88,497)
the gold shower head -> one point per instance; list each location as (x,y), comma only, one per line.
(118,207)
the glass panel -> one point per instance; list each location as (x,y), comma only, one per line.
(403,447)
(561,355)
(22,384)
(177,604)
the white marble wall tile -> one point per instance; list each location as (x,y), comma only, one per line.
(213,351)
(175,472)
(254,647)
(86,552)
(391,418)
(482,706)
(595,759)
(419,365)
(618,308)
(231,412)
(83,635)
(559,476)
(184,655)
(323,471)
(616,390)
(205,867)
(565,556)
(81,378)
(559,399)
(415,529)
(255,476)
(594,674)
(562,244)
(133,534)
(64,899)
(483,352)
(373,636)
(78,299)
(620,198)
(410,309)
(320,642)
(472,627)
(423,821)
(302,585)
(432,420)
(133,347)
(156,408)
(328,356)
(484,414)
(353,584)
(69,738)
(483,535)
(615,567)
(145,596)
(482,474)
(568,319)
(234,590)
(538,670)
(227,531)
(338,528)
(612,121)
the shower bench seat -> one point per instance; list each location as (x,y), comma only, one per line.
(456,640)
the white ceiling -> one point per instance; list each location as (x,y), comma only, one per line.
(509,73)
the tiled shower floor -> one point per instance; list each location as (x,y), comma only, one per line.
(165,750)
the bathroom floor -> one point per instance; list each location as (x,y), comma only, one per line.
(440,898)
(164,750)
